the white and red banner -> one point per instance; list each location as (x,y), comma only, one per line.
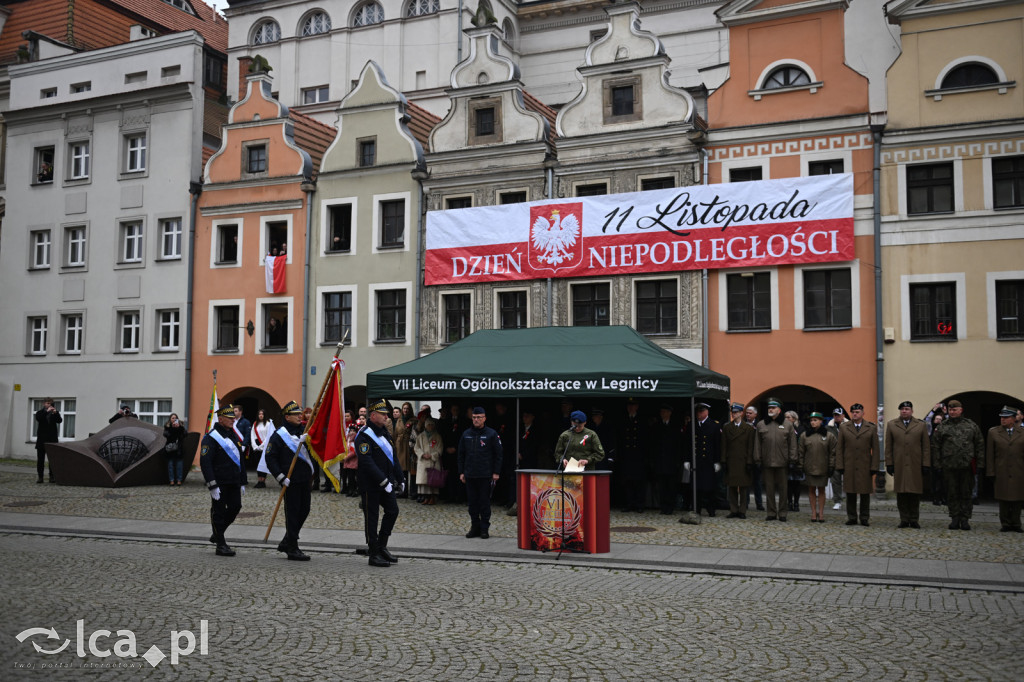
(275,274)
(743,224)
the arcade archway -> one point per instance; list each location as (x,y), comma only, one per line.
(252,400)
(799,398)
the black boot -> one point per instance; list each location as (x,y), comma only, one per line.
(223,549)
(383,548)
(376,559)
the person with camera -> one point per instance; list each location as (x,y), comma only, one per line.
(47,431)
(380,479)
(283,447)
(220,459)
(125,411)
(174,434)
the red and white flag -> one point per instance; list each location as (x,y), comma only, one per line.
(275,274)
(325,435)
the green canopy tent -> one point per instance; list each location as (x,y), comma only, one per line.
(550,362)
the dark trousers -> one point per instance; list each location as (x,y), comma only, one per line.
(636,494)
(296,509)
(1009,514)
(851,506)
(738,499)
(478,493)
(959,492)
(41,462)
(775,486)
(909,506)
(756,487)
(668,489)
(224,510)
(374,498)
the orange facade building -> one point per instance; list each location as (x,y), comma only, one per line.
(254,203)
(792,107)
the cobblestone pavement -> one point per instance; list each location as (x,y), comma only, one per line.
(190,503)
(426,619)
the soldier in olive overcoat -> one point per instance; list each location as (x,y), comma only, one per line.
(857,459)
(739,439)
(776,450)
(817,448)
(907,455)
(1004,459)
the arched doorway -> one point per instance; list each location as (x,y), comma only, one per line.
(799,398)
(252,400)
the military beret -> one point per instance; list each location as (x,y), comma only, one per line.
(856,406)
(291,407)
(578,416)
(906,403)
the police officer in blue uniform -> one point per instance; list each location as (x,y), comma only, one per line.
(380,479)
(224,472)
(284,446)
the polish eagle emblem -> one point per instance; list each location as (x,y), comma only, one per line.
(554,238)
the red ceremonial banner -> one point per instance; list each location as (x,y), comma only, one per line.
(770,222)
(557,512)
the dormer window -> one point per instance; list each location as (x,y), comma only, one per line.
(622,100)
(182,5)
(969,75)
(783,76)
(786,77)
(485,121)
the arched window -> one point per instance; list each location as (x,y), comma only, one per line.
(785,77)
(369,14)
(420,8)
(266,32)
(508,34)
(315,24)
(971,74)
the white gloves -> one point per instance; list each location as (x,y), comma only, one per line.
(686,465)
(718,467)
(284,481)
(215,493)
(243,489)
(388,488)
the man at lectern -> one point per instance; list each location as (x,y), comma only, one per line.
(580,442)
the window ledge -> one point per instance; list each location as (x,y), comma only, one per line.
(334,344)
(74,182)
(38,268)
(828,329)
(274,349)
(226,264)
(128,352)
(937,95)
(388,342)
(943,339)
(43,183)
(1010,338)
(391,247)
(748,331)
(812,87)
(168,259)
(1016,207)
(73,268)
(166,350)
(226,351)
(340,253)
(131,265)
(930,213)
(132,175)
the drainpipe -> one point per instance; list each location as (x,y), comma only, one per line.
(458,54)
(308,186)
(551,195)
(705,337)
(419,175)
(876,132)
(195,189)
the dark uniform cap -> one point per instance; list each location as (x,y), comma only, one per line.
(703,406)
(856,406)
(953,403)
(479,410)
(291,407)
(906,403)
(665,406)
(380,406)
(1008,411)
(597,411)
(226,411)
(774,402)
(632,401)
(816,415)
(736,407)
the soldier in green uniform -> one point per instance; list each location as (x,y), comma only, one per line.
(957,443)
(580,442)
(1004,460)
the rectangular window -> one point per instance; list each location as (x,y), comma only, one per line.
(275,326)
(135,153)
(170,238)
(315,95)
(828,299)
(458,202)
(277,237)
(37,330)
(930,188)
(367,152)
(73,328)
(744,174)
(227,244)
(512,308)
(170,329)
(47,93)
(590,305)
(512,198)
(226,319)
(831,167)
(170,71)
(392,223)
(1010,309)
(134,78)
(592,190)
(155,411)
(40,241)
(484,121)
(750,301)
(391,315)
(456,317)
(213,70)
(622,100)
(338,317)
(43,166)
(79,153)
(647,184)
(67,408)
(129,328)
(933,312)
(1008,182)
(77,88)
(74,246)
(340,238)
(131,242)
(256,158)
(656,306)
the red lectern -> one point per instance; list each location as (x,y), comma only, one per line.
(566,512)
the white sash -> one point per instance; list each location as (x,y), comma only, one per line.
(384,445)
(292,442)
(228,447)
